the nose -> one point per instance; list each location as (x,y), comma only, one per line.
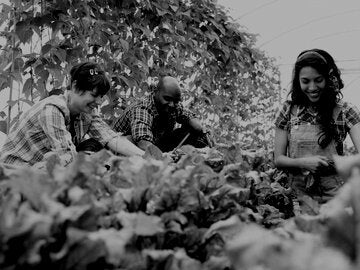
(312,85)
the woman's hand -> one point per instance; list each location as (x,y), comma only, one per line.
(314,163)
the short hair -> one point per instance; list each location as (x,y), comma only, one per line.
(89,76)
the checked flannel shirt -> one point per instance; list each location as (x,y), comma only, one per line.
(45,128)
(348,117)
(142,121)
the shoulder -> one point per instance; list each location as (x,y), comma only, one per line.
(46,106)
(59,101)
(346,106)
(283,115)
(56,104)
(141,103)
(348,112)
(287,105)
(286,108)
(347,109)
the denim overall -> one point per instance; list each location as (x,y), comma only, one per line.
(303,142)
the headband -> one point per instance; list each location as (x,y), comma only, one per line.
(311,53)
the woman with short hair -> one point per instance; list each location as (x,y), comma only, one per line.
(59,123)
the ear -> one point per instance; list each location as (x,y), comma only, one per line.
(74,88)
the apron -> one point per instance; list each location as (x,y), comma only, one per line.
(303,142)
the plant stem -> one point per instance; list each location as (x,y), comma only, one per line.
(11,79)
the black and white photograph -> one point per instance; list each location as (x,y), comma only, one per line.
(179,134)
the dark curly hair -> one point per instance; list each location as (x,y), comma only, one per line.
(89,76)
(323,62)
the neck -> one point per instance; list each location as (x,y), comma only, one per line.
(73,112)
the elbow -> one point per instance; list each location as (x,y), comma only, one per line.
(277,162)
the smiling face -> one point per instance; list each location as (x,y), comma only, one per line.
(312,83)
(84,102)
(167,96)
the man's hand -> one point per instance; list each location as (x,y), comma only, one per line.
(198,128)
(144,145)
(196,125)
(154,152)
(123,146)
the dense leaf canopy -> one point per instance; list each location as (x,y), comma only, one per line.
(226,79)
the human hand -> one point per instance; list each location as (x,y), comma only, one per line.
(209,138)
(196,125)
(154,152)
(346,164)
(314,163)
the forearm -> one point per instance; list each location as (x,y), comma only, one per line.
(144,144)
(123,146)
(285,162)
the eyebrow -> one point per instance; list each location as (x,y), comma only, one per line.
(317,77)
(171,97)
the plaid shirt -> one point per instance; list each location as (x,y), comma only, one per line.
(348,117)
(142,121)
(45,128)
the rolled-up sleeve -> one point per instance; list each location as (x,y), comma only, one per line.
(141,125)
(101,131)
(52,121)
(282,119)
(352,115)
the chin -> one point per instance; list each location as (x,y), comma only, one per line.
(314,100)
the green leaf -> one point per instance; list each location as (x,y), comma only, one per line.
(18,64)
(40,86)
(20,30)
(61,54)
(115,242)
(4,82)
(140,223)
(16,75)
(84,253)
(36,29)
(38,69)
(104,38)
(31,184)
(127,81)
(46,48)
(5,11)
(161,12)
(44,75)
(28,86)
(124,45)
(56,73)
(308,205)
(174,7)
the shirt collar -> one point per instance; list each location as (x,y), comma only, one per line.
(153,108)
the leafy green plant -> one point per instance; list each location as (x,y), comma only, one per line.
(226,79)
(111,212)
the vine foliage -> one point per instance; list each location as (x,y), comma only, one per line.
(226,79)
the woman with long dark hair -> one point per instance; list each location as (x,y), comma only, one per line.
(312,126)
